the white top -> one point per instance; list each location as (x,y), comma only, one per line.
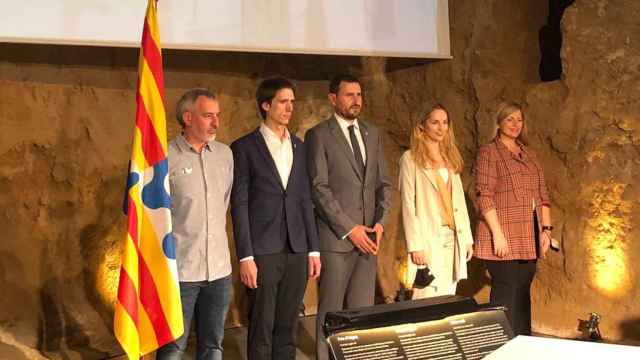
(344,125)
(281,151)
(444,172)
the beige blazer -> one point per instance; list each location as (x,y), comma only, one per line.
(422,222)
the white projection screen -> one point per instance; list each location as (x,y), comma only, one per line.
(400,28)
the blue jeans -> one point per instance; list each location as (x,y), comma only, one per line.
(209,301)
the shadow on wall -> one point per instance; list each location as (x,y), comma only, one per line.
(254,65)
(631,330)
(477,272)
(476,281)
(76,316)
(61,334)
(550,41)
(16,302)
(101,242)
(391,261)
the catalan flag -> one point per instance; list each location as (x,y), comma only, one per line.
(148,313)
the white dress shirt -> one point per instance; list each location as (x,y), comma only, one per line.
(444,172)
(344,126)
(281,151)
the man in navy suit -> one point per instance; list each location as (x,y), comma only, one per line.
(273,223)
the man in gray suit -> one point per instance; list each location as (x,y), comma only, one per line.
(351,193)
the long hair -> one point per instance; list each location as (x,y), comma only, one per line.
(507,108)
(448,148)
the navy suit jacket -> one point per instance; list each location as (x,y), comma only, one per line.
(260,204)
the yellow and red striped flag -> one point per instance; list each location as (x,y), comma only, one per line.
(148,313)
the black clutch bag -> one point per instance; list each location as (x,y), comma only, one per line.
(423,278)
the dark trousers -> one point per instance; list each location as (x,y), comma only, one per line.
(274,305)
(347,281)
(511,287)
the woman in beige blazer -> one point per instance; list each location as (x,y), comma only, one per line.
(434,211)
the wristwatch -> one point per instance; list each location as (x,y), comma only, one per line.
(547,227)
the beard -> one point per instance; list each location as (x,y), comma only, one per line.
(350,113)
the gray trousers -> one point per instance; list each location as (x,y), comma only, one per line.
(347,281)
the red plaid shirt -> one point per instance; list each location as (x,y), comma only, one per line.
(511,185)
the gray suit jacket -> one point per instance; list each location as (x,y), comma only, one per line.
(343,197)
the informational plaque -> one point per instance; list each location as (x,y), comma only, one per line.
(465,337)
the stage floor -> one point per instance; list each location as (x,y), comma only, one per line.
(235,342)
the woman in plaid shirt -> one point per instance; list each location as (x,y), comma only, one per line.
(515,226)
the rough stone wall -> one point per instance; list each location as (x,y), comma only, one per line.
(588,129)
(66,118)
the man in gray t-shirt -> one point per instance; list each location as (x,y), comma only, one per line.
(200,177)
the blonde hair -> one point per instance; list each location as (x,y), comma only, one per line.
(447,146)
(507,108)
